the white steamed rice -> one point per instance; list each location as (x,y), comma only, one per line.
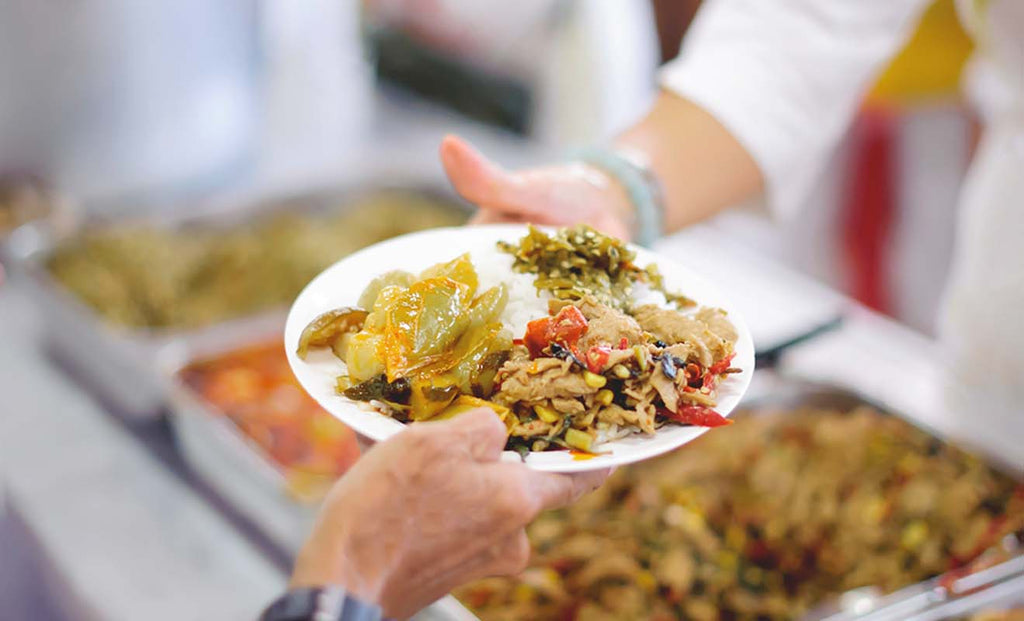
(494,267)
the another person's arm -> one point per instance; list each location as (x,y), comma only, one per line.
(760,95)
(429,510)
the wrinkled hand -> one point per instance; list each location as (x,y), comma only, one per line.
(428,510)
(555,195)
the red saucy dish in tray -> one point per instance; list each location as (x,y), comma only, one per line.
(254,389)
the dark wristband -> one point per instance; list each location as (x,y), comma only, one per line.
(320,604)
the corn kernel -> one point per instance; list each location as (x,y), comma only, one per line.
(546,414)
(875,510)
(646,581)
(620,371)
(735,537)
(523,593)
(604,396)
(578,439)
(594,380)
(641,357)
(727,560)
(914,535)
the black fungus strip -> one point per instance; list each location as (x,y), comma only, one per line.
(564,353)
(668,367)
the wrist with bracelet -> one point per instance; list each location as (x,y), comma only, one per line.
(633,172)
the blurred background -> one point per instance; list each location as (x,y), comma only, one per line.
(172,174)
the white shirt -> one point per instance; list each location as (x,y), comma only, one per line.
(785,78)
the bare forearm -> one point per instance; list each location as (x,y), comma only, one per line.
(702,167)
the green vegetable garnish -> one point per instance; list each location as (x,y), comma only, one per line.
(579,261)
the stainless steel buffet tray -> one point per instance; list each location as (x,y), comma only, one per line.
(997,587)
(230,462)
(118,362)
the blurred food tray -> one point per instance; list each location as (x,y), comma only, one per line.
(230,461)
(121,288)
(764,455)
(912,375)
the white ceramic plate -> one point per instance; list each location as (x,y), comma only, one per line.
(341,284)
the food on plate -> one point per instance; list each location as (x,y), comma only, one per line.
(783,513)
(600,354)
(150,277)
(576,262)
(254,388)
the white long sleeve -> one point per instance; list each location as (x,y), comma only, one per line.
(785,76)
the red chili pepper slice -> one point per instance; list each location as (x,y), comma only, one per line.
(565,328)
(694,375)
(536,337)
(623,343)
(719,367)
(699,415)
(597,358)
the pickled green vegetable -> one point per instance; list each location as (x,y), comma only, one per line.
(426,319)
(489,306)
(363,356)
(329,327)
(430,395)
(472,349)
(394,278)
(459,269)
(579,261)
(430,333)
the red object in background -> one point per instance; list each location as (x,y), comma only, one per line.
(870,208)
(255,389)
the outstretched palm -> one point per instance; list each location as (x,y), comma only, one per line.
(556,195)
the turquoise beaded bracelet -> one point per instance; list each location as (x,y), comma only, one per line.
(640,184)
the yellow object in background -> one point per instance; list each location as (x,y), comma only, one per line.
(929,66)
